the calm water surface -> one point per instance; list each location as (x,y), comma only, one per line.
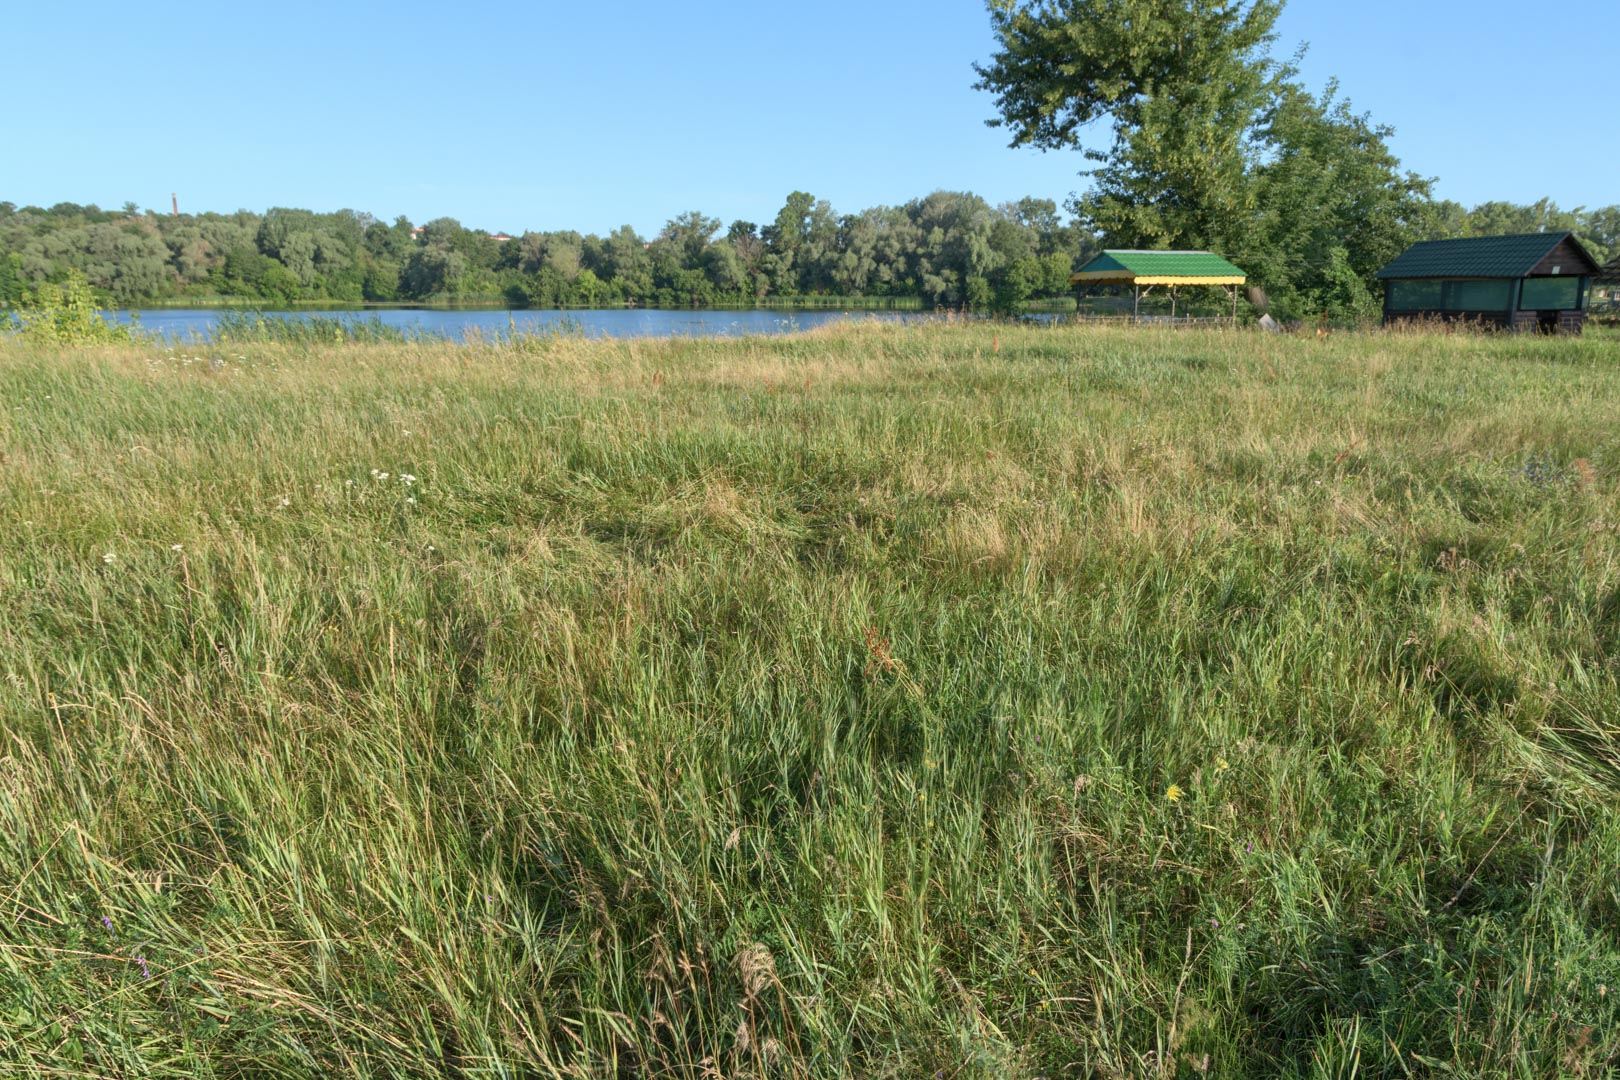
(182,324)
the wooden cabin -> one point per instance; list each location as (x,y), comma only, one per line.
(1144,271)
(1533,281)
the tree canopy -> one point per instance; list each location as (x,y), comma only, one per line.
(1066,64)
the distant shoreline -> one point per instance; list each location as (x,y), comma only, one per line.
(800,303)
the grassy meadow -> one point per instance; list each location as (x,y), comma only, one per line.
(937,701)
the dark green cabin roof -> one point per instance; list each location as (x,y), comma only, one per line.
(1474,257)
(1161,264)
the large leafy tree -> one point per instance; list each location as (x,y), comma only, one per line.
(1201,139)
(1065,65)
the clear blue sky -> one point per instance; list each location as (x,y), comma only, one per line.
(546,116)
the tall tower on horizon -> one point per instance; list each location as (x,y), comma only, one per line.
(175,199)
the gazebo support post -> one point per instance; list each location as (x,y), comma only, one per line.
(1136,305)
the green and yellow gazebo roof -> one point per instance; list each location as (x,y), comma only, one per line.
(1158,268)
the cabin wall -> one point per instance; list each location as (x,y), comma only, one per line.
(1483,318)
(1569,322)
(1569,257)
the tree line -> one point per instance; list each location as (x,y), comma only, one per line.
(948,249)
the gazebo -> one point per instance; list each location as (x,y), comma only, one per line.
(1145,271)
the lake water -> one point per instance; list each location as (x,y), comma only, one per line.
(183,324)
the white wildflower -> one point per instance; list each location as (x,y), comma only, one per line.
(177,547)
(108,558)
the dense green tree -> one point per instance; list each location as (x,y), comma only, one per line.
(589,290)
(783,239)
(744,238)
(11,280)
(380,280)
(689,234)
(434,271)
(625,260)
(1331,206)
(724,269)
(1063,65)
(1600,230)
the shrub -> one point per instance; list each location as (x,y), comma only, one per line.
(68,314)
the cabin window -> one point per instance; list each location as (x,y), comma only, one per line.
(1477,295)
(1550,293)
(1414,295)
(1437,295)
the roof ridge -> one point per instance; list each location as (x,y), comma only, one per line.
(1495,236)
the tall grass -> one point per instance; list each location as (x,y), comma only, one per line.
(259,328)
(892,700)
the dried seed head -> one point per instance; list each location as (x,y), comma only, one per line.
(757,967)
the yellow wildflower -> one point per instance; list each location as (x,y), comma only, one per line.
(1173,793)
(1221,765)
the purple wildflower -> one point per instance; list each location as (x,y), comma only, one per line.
(146,972)
(106,920)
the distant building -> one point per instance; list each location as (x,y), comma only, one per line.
(1533,281)
(499,237)
(1609,278)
